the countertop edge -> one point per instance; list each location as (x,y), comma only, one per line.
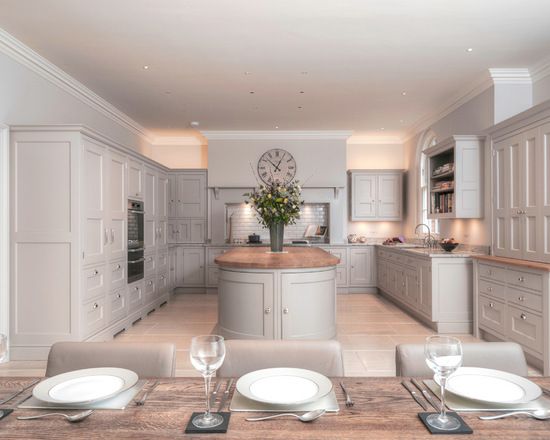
(514,262)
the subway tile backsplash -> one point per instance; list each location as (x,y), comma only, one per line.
(243,221)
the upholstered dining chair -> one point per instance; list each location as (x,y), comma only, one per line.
(244,356)
(147,359)
(505,356)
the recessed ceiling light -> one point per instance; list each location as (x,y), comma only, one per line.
(403,92)
(252,92)
(145,67)
(382,128)
(470,49)
(276,126)
(302,92)
(300,107)
(194,123)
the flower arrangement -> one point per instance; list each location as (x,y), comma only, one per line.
(276,203)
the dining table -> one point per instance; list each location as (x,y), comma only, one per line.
(383,409)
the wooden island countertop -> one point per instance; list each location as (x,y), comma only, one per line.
(292,258)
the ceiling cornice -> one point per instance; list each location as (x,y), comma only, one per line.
(510,76)
(178,141)
(276,135)
(24,55)
(540,70)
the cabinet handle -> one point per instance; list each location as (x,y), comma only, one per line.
(137,194)
(96,272)
(162,277)
(523,316)
(286,311)
(521,279)
(95,306)
(136,288)
(521,298)
(518,212)
(118,267)
(106,237)
(489,289)
(112,235)
(267,310)
(150,283)
(491,305)
(490,272)
(119,295)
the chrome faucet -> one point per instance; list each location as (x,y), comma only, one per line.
(429,240)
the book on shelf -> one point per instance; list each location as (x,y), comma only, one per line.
(442,203)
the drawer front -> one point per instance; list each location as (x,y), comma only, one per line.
(93,317)
(117,305)
(93,282)
(492,272)
(492,314)
(213,274)
(212,253)
(525,279)
(525,328)
(341,276)
(150,286)
(523,298)
(118,275)
(492,289)
(341,253)
(150,265)
(135,297)
(162,261)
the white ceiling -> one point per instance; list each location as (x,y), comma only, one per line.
(359,56)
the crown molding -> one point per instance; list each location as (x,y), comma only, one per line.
(178,141)
(276,135)
(510,76)
(24,55)
(540,70)
(374,140)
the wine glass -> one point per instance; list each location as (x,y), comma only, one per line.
(3,347)
(443,356)
(207,354)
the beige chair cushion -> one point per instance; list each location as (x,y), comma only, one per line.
(505,356)
(244,356)
(147,359)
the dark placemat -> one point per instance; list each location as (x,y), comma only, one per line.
(5,412)
(220,429)
(462,429)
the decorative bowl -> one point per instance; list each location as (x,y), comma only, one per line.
(448,247)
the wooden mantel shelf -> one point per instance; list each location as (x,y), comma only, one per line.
(514,262)
(291,258)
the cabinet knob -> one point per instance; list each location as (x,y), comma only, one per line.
(491,305)
(267,310)
(119,296)
(489,289)
(286,311)
(137,194)
(96,305)
(521,279)
(490,272)
(150,283)
(521,298)
(136,288)
(96,272)
(523,316)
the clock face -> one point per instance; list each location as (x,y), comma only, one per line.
(276,165)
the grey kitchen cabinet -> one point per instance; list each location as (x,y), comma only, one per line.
(191,194)
(190,270)
(135,178)
(376,195)
(362,266)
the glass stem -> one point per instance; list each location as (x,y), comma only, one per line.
(443,407)
(207,389)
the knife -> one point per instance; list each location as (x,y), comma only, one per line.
(415,395)
(214,394)
(14,395)
(425,393)
(225,395)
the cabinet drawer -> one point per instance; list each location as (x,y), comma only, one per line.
(341,276)
(118,275)
(117,305)
(492,314)
(492,272)
(135,297)
(93,282)
(150,265)
(213,274)
(525,299)
(492,289)
(162,261)
(341,253)
(212,253)
(149,290)
(93,317)
(525,279)
(525,328)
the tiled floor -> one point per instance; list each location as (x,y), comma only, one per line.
(369,327)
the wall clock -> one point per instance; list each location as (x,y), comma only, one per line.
(276,165)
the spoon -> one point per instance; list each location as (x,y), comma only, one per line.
(73,418)
(306,417)
(540,414)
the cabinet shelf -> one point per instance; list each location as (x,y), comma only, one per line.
(443,190)
(443,175)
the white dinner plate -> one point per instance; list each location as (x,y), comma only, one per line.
(85,386)
(284,386)
(492,386)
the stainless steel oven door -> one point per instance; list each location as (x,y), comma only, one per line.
(135,269)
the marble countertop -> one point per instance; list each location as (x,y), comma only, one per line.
(432,253)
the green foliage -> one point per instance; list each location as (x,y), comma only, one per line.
(276,203)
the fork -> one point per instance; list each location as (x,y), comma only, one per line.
(349,401)
(141,401)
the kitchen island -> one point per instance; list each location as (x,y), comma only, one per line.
(288,295)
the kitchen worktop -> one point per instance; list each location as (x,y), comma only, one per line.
(294,257)
(431,252)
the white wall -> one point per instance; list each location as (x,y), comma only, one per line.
(181,156)
(541,90)
(375,156)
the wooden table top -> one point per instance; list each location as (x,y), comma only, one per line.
(383,410)
(513,262)
(259,257)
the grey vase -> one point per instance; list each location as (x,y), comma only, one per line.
(276,233)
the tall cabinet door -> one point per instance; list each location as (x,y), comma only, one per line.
(150,231)
(193,266)
(531,242)
(362,266)
(162,209)
(389,196)
(501,213)
(117,204)
(544,191)
(95,234)
(135,179)
(172,196)
(512,194)
(191,195)
(364,197)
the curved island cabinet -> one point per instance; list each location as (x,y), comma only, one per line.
(289,295)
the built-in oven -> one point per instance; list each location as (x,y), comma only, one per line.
(135,241)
